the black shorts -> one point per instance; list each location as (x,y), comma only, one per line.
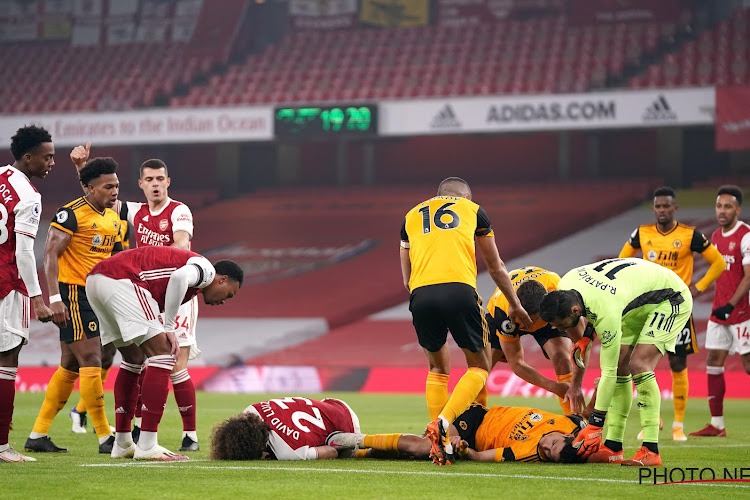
(83,321)
(468,422)
(541,336)
(435,309)
(687,342)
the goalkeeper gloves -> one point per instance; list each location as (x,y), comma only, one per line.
(578,354)
(589,438)
(723,312)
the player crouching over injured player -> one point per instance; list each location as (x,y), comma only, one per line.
(499,434)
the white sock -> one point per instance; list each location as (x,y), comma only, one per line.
(4,447)
(191,434)
(123,439)
(103,440)
(147,440)
(36,435)
(138,421)
(718,422)
(677,424)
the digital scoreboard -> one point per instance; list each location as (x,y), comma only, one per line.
(350,120)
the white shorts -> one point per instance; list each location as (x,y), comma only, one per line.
(14,320)
(732,338)
(127,313)
(187,317)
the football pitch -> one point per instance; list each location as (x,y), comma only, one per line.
(83,473)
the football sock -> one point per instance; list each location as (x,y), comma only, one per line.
(138,403)
(482,397)
(565,406)
(126,395)
(619,409)
(57,394)
(464,393)
(653,447)
(154,392)
(7,396)
(361,453)
(680,387)
(716,389)
(184,395)
(147,440)
(436,391)
(93,396)
(81,406)
(649,405)
(384,442)
(615,446)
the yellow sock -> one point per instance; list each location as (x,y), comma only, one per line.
(436,391)
(383,442)
(81,406)
(466,391)
(361,453)
(57,394)
(481,397)
(680,387)
(93,396)
(565,406)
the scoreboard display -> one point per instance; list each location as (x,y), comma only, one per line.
(350,120)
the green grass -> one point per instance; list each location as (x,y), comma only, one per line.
(71,475)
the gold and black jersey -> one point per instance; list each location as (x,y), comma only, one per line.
(498,304)
(672,249)
(515,430)
(439,234)
(93,236)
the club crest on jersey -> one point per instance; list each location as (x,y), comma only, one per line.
(536,417)
(62,217)
(163,224)
(92,326)
(677,243)
(96,240)
(651,255)
(731,245)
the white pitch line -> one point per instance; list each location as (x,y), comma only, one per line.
(408,473)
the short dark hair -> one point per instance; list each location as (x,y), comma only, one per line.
(27,139)
(230,269)
(453,186)
(665,191)
(154,163)
(731,189)
(568,454)
(530,294)
(242,437)
(95,168)
(556,304)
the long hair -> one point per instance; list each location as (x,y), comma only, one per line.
(242,437)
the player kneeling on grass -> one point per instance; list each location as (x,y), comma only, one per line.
(499,434)
(291,428)
(127,292)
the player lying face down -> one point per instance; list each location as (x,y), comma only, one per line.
(290,428)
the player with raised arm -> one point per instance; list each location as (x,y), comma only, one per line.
(130,293)
(439,269)
(673,245)
(637,309)
(290,428)
(531,283)
(20,209)
(162,221)
(83,232)
(728,329)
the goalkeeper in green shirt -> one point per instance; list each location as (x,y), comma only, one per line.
(637,309)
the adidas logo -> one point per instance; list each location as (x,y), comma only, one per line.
(641,405)
(649,334)
(94,226)
(145,219)
(446,118)
(659,110)
(120,409)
